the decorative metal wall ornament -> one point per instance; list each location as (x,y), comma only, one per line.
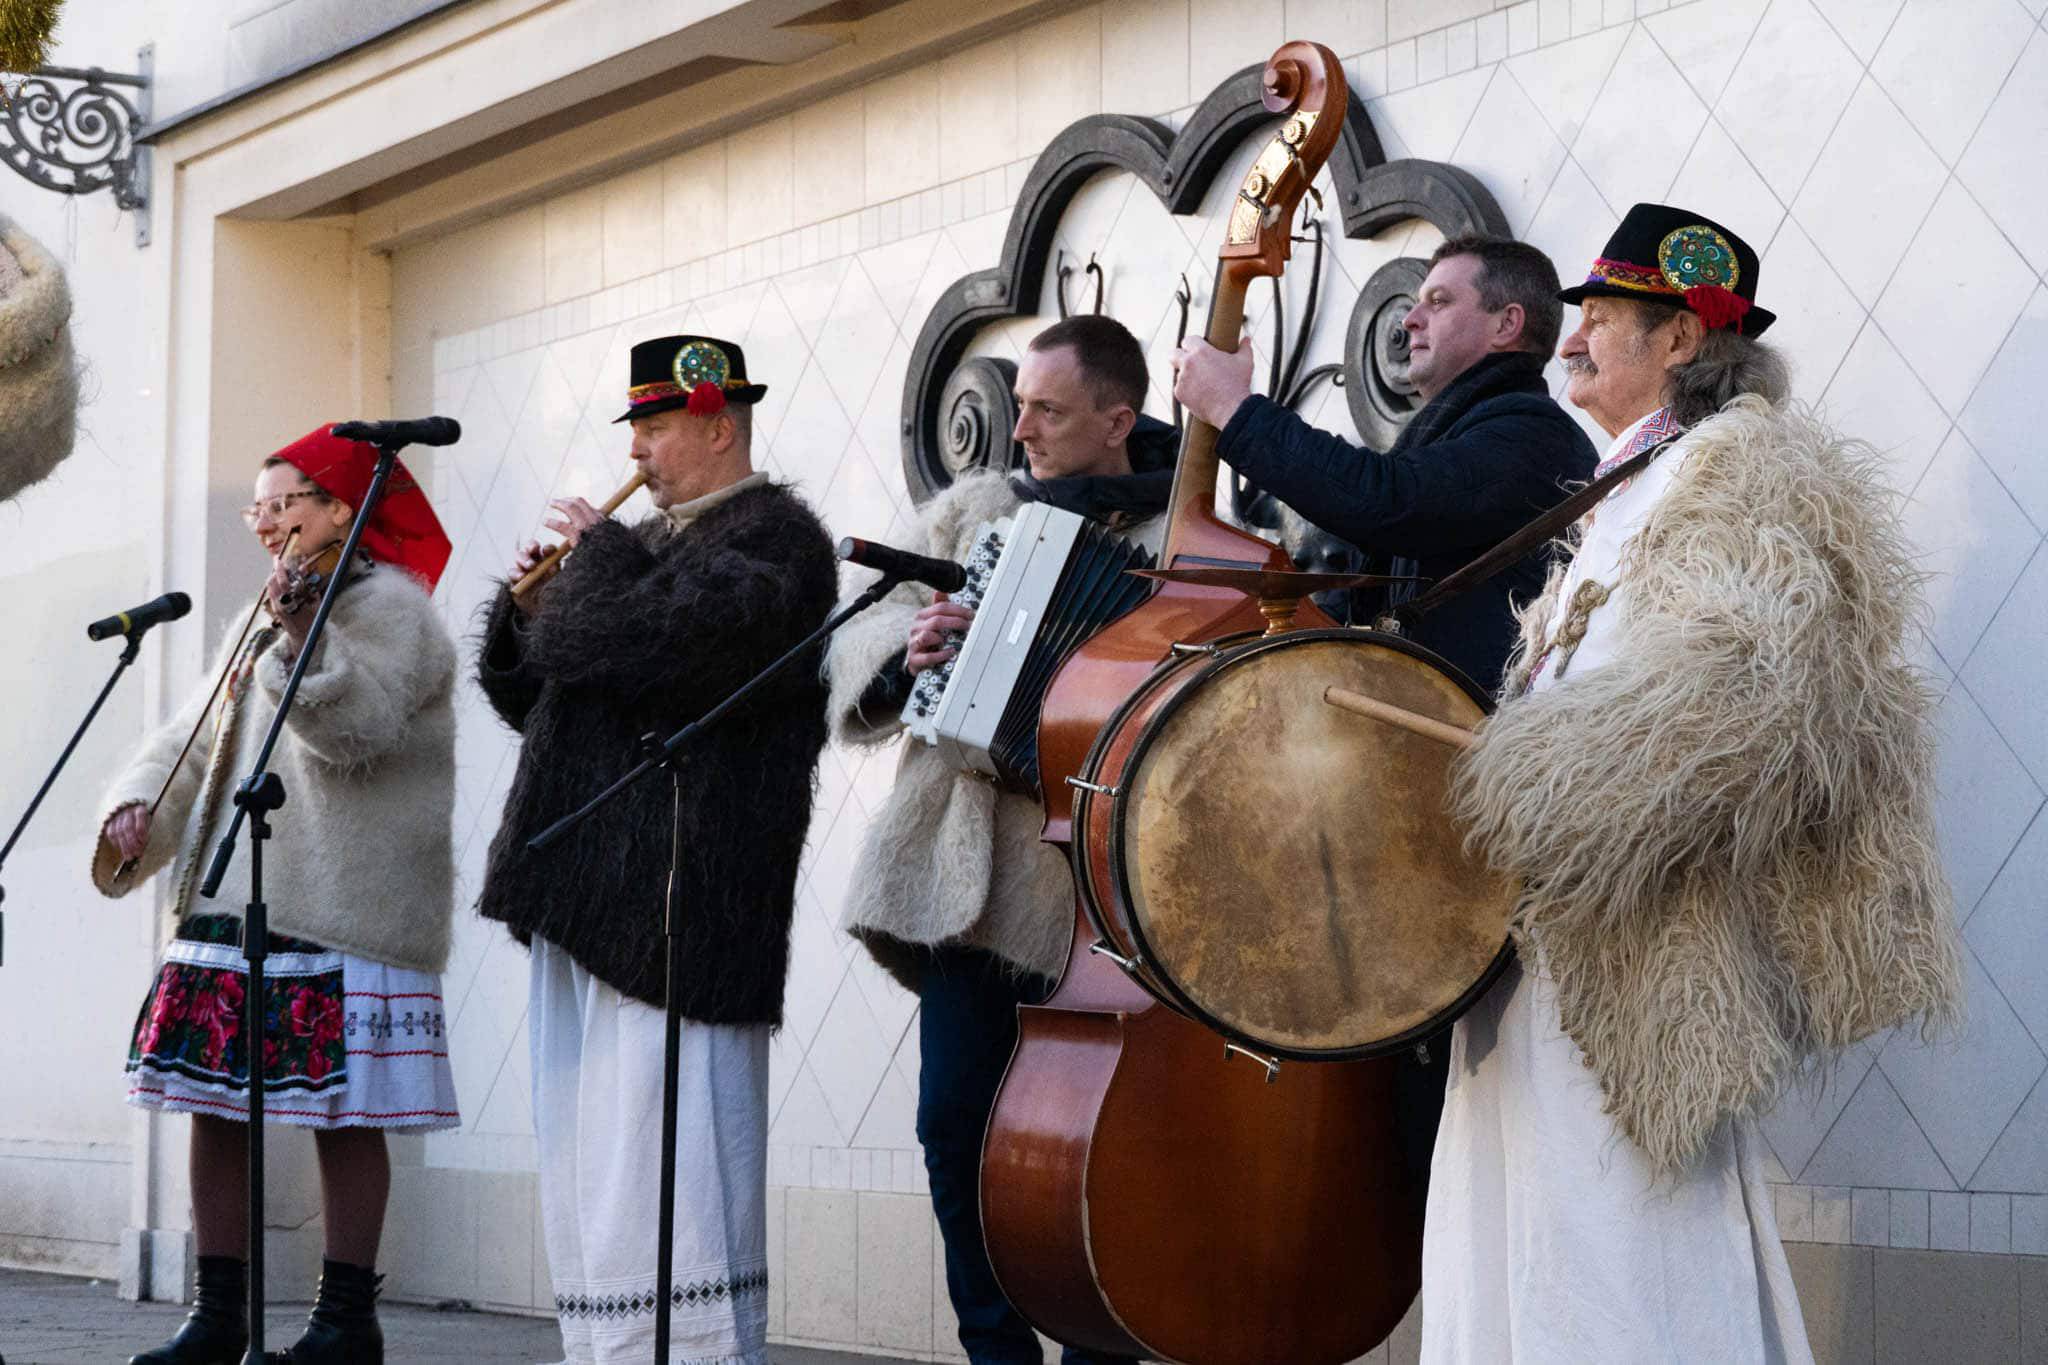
(979,408)
(73,131)
(1372,194)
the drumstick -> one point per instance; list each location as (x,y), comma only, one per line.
(546,568)
(1357,702)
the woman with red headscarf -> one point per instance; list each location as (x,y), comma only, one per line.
(358,882)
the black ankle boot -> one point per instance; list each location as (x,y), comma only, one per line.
(342,1329)
(217,1333)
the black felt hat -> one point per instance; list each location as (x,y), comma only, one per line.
(1662,254)
(702,374)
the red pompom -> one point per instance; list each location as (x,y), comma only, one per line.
(707,400)
(1717,306)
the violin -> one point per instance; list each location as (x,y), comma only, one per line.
(306,579)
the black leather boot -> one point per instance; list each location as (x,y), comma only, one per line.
(342,1329)
(217,1332)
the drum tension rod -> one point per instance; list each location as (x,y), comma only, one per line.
(1101,947)
(1095,787)
(1272,1064)
(1182,649)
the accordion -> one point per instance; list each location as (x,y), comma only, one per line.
(1041,581)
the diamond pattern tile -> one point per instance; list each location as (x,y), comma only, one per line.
(1509,146)
(1868,221)
(1954,297)
(1945,60)
(1964,1092)
(2010,931)
(1796,1128)
(1876,1142)
(2019,1159)
(1791,86)
(2010,407)
(1628,156)
(1706,41)
(1876,396)
(2012,133)
(2003,672)
(1974,539)
(1716,172)
(1985,798)
(1563,81)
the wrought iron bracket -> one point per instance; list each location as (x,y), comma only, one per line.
(73,130)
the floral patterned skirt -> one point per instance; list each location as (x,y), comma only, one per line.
(347,1042)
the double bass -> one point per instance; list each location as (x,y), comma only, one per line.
(1145,1190)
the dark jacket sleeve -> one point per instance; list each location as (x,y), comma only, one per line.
(1488,476)
(508,684)
(686,627)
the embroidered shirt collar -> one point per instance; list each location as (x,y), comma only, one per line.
(1647,431)
(682,514)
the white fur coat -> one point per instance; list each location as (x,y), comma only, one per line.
(360,857)
(38,375)
(1726,831)
(948,859)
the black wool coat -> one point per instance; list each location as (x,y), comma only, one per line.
(1498,465)
(645,629)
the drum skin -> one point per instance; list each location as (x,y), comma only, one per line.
(1283,870)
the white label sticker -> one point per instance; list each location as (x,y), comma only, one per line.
(1017,625)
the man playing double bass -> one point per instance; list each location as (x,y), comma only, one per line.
(646,628)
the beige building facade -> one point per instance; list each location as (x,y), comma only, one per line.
(475,209)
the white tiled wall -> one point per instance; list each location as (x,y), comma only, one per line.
(1882,155)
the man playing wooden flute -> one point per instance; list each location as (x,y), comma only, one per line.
(646,628)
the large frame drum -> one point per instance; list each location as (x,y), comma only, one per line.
(1283,870)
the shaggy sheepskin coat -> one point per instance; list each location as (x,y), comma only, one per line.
(360,856)
(38,375)
(1725,833)
(645,629)
(948,859)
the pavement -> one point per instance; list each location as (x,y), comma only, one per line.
(59,1320)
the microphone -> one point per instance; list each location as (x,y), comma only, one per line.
(136,620)
(418,431)
(942,574)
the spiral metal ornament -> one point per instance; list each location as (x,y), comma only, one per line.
(73,131)
(979,411)
(1376,382)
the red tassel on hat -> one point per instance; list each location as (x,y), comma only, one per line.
(707,399)
(1717,306)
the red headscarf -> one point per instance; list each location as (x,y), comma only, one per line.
(404,530)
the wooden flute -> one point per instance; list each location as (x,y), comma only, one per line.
(552,562)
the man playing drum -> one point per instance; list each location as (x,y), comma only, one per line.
(954,893)
(1712,775)
(1489,451)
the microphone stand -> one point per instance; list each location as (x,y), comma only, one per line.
(259,794)
(660,753)
(128,653)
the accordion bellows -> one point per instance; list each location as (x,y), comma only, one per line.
(1040,581)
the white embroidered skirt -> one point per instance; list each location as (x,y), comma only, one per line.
(348,1043)
(597,1119)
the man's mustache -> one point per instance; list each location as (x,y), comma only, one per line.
(1581,365)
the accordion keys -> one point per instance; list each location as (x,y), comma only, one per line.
(1041,581)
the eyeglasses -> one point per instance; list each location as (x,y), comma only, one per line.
(275,508)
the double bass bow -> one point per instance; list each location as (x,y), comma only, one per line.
(1142,1192)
